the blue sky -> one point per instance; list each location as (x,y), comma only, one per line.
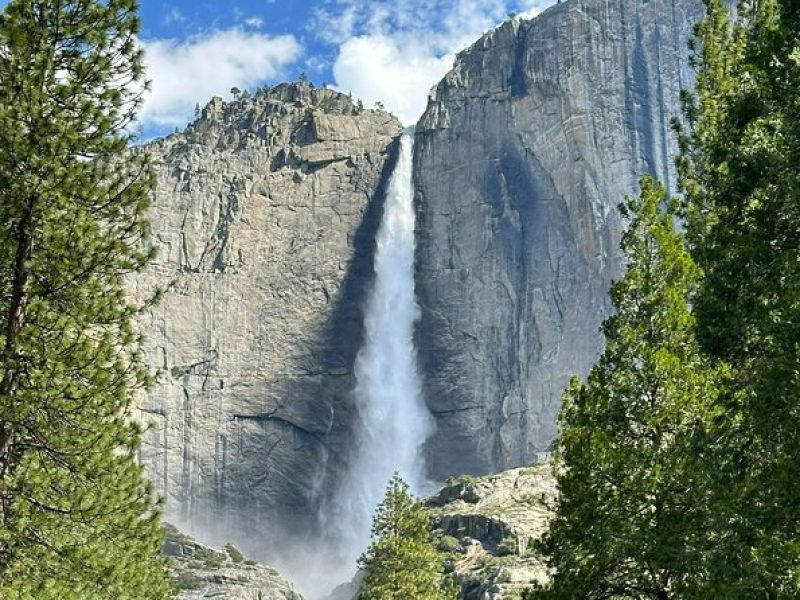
(392,51)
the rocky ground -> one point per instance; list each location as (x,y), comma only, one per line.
(488,525)
(203,572)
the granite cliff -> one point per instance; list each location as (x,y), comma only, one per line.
(525,150)
(263,217)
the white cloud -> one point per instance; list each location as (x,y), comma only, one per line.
(531,8)
(187,72)
(173,16)
(254,22)
(389,70)
(335,26)
(395,52)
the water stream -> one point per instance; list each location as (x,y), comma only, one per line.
(394,421)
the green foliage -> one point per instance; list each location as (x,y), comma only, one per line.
(507,547)
(174,535)
(78,521)
(631,512)
(186,580)
(402,563)
(739,172)
(448,544)
(529,594)
(503,576)
(235,554)
(210,558)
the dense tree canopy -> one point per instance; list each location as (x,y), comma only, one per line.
(632,505)
(402,563)
(741,177)
(78,521)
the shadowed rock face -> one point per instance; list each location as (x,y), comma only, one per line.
(264,219)
(525,150)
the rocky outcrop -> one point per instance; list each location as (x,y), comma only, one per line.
(264,219)
(199,572)
(485,529)
(525,150)
(488,527)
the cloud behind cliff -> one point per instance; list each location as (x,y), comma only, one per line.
(395,52)
(389,51)
(391,70)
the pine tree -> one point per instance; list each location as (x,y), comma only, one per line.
(77,520)
(402,563)
(739,172)
(631,515)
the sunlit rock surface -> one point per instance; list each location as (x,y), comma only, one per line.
(264,219)
(525,150)
(488,527)
(199,572)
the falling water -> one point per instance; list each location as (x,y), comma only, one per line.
(394,420)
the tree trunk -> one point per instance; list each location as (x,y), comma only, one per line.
(15,321)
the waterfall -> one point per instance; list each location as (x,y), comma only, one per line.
(394,421)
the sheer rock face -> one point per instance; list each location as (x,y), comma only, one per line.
(265,215)
(525,150)
(264,218)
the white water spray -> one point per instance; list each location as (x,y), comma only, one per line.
(395,422)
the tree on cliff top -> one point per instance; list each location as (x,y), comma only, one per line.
(402,563)
(77,519)
(631,512)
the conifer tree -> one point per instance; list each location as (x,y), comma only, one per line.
(631,514)
(77,520)
(402,563)
(740,176)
